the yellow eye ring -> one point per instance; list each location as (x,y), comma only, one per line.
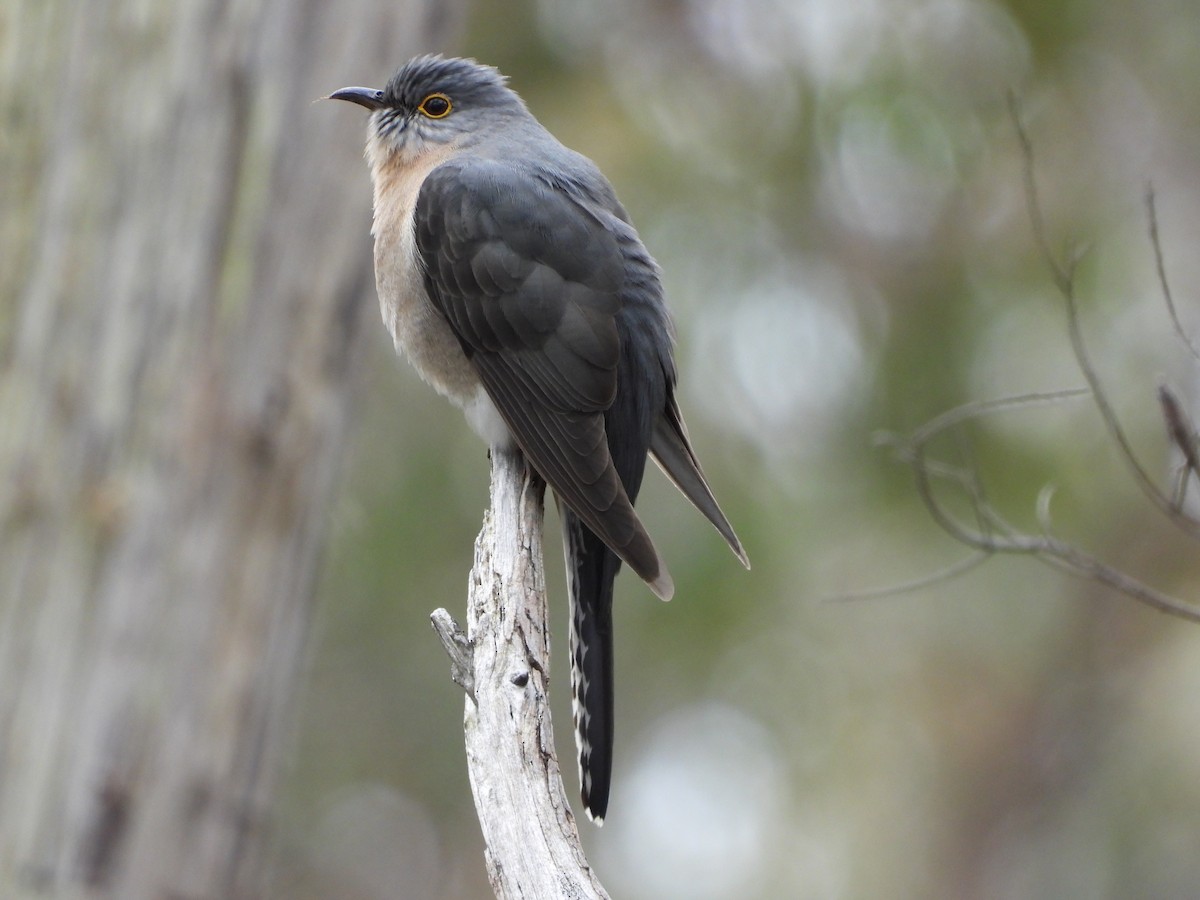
(435,106)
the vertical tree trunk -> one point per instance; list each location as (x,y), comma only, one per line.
(185,280)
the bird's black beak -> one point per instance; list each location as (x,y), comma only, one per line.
(368,97)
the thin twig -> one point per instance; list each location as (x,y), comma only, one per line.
(1004,539)
(949,573)
(1071,558)
(992,533)
(995,535)
(1163,282)
(978,408)
(1065,281)
(1062,276)
(912,451)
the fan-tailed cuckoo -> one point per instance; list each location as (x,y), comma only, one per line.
(511,278)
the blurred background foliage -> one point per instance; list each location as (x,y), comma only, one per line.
(834,191)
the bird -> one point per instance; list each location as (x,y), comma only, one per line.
(511,278)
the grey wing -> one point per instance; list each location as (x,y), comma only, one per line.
(529,279)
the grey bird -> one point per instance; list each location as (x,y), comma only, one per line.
(511,278)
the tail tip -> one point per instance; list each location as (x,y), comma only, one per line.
(594,808)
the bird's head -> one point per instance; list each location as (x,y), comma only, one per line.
(433,101)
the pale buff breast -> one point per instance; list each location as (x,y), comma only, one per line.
(420,332)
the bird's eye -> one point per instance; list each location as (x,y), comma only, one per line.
(435,106)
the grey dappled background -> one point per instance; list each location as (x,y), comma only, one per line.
(834,191)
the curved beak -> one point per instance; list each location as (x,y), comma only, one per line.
(368,97)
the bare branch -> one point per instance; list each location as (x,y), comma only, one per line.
(1062,275)
(458,647)
(1065,282)
(1163,282)
(533,848)
(949,573)
(1007,540)
(993,533)
(1072,559)
(978,408)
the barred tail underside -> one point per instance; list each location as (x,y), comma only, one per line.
(591,570)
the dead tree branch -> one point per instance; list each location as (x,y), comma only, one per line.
(1164,283)
(991,533)
(1064,280)
(996,535)
(533,848)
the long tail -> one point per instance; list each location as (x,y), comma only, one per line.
(591,570)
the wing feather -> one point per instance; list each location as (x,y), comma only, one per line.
(530,280)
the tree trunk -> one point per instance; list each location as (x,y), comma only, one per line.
(186,279)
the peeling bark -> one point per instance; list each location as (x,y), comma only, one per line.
(533,848)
